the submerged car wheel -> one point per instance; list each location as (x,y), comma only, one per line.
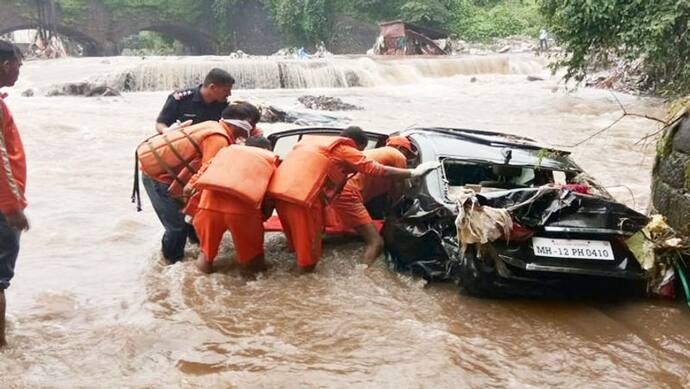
(476,275)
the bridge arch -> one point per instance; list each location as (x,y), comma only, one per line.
(197,41)
(91,46)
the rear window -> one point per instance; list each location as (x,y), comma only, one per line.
(485,177)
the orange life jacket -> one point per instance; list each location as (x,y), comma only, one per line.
(241,171)
(308,174)
(175,156)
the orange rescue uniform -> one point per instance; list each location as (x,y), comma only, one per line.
(13,161)
(174,158)
(219,211)
(303,222)
(349,206)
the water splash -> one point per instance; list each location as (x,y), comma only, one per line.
(270,73)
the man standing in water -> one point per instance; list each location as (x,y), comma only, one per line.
(543,39)
(197,105)
(169,161)
(12,179)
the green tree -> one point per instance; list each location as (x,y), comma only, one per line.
(482,20)
(656,32)
(434,13)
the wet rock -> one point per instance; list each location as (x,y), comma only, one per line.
(326,103)
(83,89)
(504,49)
(672,169)
(352,79)
(103,91)
(128,82)
(239,54)
(28,93)
(273,114)
(670,187)
(70,89)
(661,196)
(473,79)
(534,78)
(681,142)
(679,215)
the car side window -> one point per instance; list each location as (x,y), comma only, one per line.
(372,143)
(285,144)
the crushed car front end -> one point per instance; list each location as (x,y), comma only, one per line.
(566,232)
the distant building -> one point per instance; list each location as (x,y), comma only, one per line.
(400,38)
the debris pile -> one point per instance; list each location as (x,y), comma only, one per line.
(239,54)
(83,88)
(327,103)
(273,114)
(621,76)
(302,53)
(663,254)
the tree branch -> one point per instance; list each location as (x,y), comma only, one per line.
(625,113)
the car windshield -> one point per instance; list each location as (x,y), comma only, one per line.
(486,176)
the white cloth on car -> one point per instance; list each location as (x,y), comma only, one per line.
(480,224)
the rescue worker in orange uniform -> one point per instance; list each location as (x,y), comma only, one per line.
(168,161)
(12,179)
(312,174)
(350,204)
(232,189)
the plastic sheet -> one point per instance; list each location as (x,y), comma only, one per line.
(422,238)
(560,207)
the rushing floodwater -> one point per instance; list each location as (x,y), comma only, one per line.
(92,306)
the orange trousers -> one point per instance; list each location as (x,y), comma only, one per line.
(247,230)
(303,227)
(349,206)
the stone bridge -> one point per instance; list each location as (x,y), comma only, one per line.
(102,31)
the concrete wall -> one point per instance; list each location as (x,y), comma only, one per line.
(671,177)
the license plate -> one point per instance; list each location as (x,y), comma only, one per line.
(573,248)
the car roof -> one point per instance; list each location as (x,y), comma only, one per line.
(318,130)
(487,146)
(468,144)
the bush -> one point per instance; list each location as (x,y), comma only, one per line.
(591,31)
(498,19)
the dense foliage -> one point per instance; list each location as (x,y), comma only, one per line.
(309,21)
(591,31)
(481,20)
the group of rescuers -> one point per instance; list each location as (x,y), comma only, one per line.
(210,163)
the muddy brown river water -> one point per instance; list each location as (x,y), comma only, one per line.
(92,305)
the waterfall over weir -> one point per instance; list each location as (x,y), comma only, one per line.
(153,74)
